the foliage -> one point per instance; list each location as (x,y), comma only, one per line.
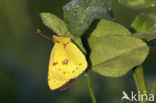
(114,51)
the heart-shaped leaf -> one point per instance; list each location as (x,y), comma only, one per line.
(79,14)
(115,53)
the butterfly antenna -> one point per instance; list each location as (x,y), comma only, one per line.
(38,31)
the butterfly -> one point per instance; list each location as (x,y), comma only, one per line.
(66,63)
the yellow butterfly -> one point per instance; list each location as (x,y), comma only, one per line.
(66,62)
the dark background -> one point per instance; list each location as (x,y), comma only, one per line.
(24,57)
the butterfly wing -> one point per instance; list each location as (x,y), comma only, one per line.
(66,63)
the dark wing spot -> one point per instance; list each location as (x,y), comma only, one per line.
(73,71)
(64,72)
(80,64)
(65,61)
(54,63)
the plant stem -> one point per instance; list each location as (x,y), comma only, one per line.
(138,76)
(90,88)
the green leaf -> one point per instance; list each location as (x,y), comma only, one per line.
(115,55)
(138,4)
(106,27)
(79,14)
(55,24)
(145,27)
(145,36)
(113,50)
(143,23)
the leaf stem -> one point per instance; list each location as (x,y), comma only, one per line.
(138,76)
(90,88)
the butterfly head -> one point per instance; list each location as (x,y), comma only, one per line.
(61,39)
